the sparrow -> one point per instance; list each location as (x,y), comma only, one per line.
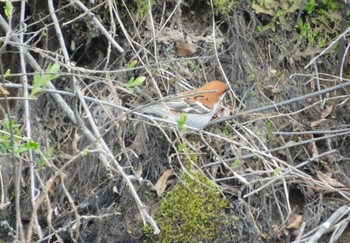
(198,105)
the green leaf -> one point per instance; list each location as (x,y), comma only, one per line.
(131,80)
(54,69)
(40,80)
(138,81)
(181,121)
(181,147)
(48,155)
(7,127)
(309,7)
(5,145)
(8,8)
(41,163)
(25,147)
(235,163)
(132,64)
(30,145)
(85,152)
(7,73)
(134,82)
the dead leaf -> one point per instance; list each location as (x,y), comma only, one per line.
(272,89)
(115,190)
(3,91)
(312,86)
(328,180)
(296,222)
(316,123)
(327,111)
(169,35)
(310,191)
(276,90)
(185,49)
(314,148)
(163,182)
(272,71)
(343,102)
(297,137)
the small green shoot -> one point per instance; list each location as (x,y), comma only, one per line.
(26,146)
(20,144)
(181,121)
(8,9)
(304,28)
(7,73)
(321,42)
(235,163)
(48,155)
(85,152)
(277,172)
(5,141)
(181,147)
(131,64)
(310,6)
(40,80)
(226,130)
(41,163)
(135,83)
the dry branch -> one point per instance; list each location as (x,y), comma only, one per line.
(106,155)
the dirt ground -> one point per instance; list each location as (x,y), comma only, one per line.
(80,164)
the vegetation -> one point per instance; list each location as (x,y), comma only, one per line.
(11,139)
(101,172)
(193,211)
(318,22)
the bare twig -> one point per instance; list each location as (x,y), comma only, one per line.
(326,226)
(100,142)
(283,103)
(64,106)
(318,84)
(27,120)
(98,24)
(342,35)
(17,164)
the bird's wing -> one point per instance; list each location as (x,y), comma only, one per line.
(188,106)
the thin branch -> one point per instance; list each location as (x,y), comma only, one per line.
(342,35)
(60,102)
(97,136)
(333,219)
(282,103)
(17,164)
(99,25)
(27,121)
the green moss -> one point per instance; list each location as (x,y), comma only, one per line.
(278,10)
(192,211)
(318,24)
(140,8)
(224,7)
